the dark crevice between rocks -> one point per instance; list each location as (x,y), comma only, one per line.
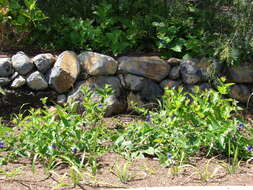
(21,100)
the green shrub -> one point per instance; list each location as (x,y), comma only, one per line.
(186,125)
(17,20)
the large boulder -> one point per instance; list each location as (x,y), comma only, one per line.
(116,103)
(97,64)
(132,82)
(22,63)
(190,72)
(36,81)
(240,74)
(6,68)
(150,92)
(149,67)
(43,62)
(65,72)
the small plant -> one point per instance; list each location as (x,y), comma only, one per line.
(122,172)
(233,165)
(206,173)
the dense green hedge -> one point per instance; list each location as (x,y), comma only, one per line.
(178,28)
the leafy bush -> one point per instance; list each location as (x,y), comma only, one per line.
(186,125)
(61,136)
(17,20)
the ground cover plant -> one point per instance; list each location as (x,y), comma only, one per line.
(185,126)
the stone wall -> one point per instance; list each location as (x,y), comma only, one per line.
(134,79)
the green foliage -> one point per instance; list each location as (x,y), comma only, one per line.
(187,124)
(17,20)
(178,37)
(62,136)
(105,32)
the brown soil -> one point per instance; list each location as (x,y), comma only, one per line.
(143,172)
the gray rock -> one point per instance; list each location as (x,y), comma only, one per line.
(37,81)
(116,102)
(151,92)
(132,82)
(4,81)
(18,82)
(115,105)
(240,92)
(170,84)
(61,99)
(100,82)
(174,73)
(150,67)
(65,72)
(22,63)
(190,72)
(97,64)
(6,68)
(240,74)
(43,62)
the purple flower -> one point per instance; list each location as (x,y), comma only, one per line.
(162,41)
(250,148)
(241,125)
(148,118)
(100,106)
(74,150)
(1,144)
(53,146)
(169,156)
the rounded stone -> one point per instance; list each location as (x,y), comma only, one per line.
(36,81)
(18,82)
(150,67)
(22,63)
(97,64)
(6,68)
(43,62)
(65,72)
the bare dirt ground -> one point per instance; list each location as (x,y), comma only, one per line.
(145,172)
(142,173)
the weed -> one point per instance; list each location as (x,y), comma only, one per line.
(122,172)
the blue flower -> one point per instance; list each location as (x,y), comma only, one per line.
(53,146)
(241,125)
(1,144)
(250,148)
(74,150)
(100,106)
(161,41)
(169,156)
(148,118)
